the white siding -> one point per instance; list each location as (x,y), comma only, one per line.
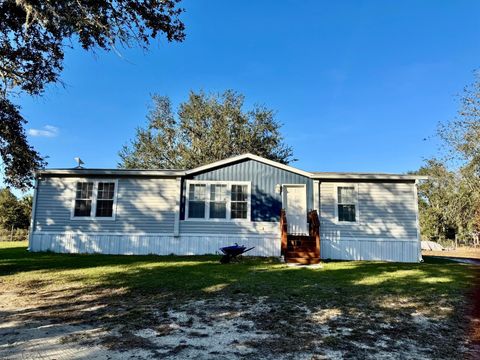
(144,223)
(143,205)
(386,228)
(369,249)
(160,244)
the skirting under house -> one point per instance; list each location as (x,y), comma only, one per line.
(145,244)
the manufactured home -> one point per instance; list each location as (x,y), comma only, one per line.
(278,209)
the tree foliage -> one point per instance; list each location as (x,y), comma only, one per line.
(449,201)
(18,157)
(14,212)
(206,128)
(462,135)
(33,36)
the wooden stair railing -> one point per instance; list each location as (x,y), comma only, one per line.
(284,231)
(314,230)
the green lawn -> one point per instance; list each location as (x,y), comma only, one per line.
(359,290)
(204,275)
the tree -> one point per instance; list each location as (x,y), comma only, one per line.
(206,128)
(33,36)
(18,157)
(448,204)
(13,212)
(462,135)
(449,201)
(436,201)
(25,211)
(462,139)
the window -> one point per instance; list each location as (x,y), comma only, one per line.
(217,200)
(95,199)
(239,201)
(105,193)
(347,203)
(196,208)
(83,199)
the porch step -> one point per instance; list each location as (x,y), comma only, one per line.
(303,240)
(300,249)
(301,243)
(299,237)
(301,254)
(303,260)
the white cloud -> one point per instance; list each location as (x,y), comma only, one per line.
(46,131)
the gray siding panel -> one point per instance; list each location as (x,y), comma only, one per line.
(386,228)
(266,204)
(386,210)
(143,205)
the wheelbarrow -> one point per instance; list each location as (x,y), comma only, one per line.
(231,253)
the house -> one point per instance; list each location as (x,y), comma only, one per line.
(349,216)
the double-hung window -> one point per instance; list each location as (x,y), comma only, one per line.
(105,199)
(95,199)
(239,204)
(217,200)
(83,199)
(347,207)
(196,205)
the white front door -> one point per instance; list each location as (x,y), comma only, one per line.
(295,205)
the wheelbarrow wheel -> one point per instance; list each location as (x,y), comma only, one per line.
(225,259)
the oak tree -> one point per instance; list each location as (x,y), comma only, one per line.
(450,200)
(33,38)
(206,128)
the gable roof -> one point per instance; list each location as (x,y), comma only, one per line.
(313,175)
(225,162)
(248,156)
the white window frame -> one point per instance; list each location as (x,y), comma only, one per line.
(208,184)
(357,212)
(93,210)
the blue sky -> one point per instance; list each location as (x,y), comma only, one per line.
(358,85)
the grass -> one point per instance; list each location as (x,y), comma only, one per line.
(367,293)
(203,275)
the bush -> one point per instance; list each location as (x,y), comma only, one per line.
(446,243)
(13,235)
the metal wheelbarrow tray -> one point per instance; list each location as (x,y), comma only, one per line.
(231,253)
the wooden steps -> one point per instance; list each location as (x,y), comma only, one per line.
(301,249)
(307,253)
(303,261)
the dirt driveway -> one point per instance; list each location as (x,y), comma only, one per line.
(221,329)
